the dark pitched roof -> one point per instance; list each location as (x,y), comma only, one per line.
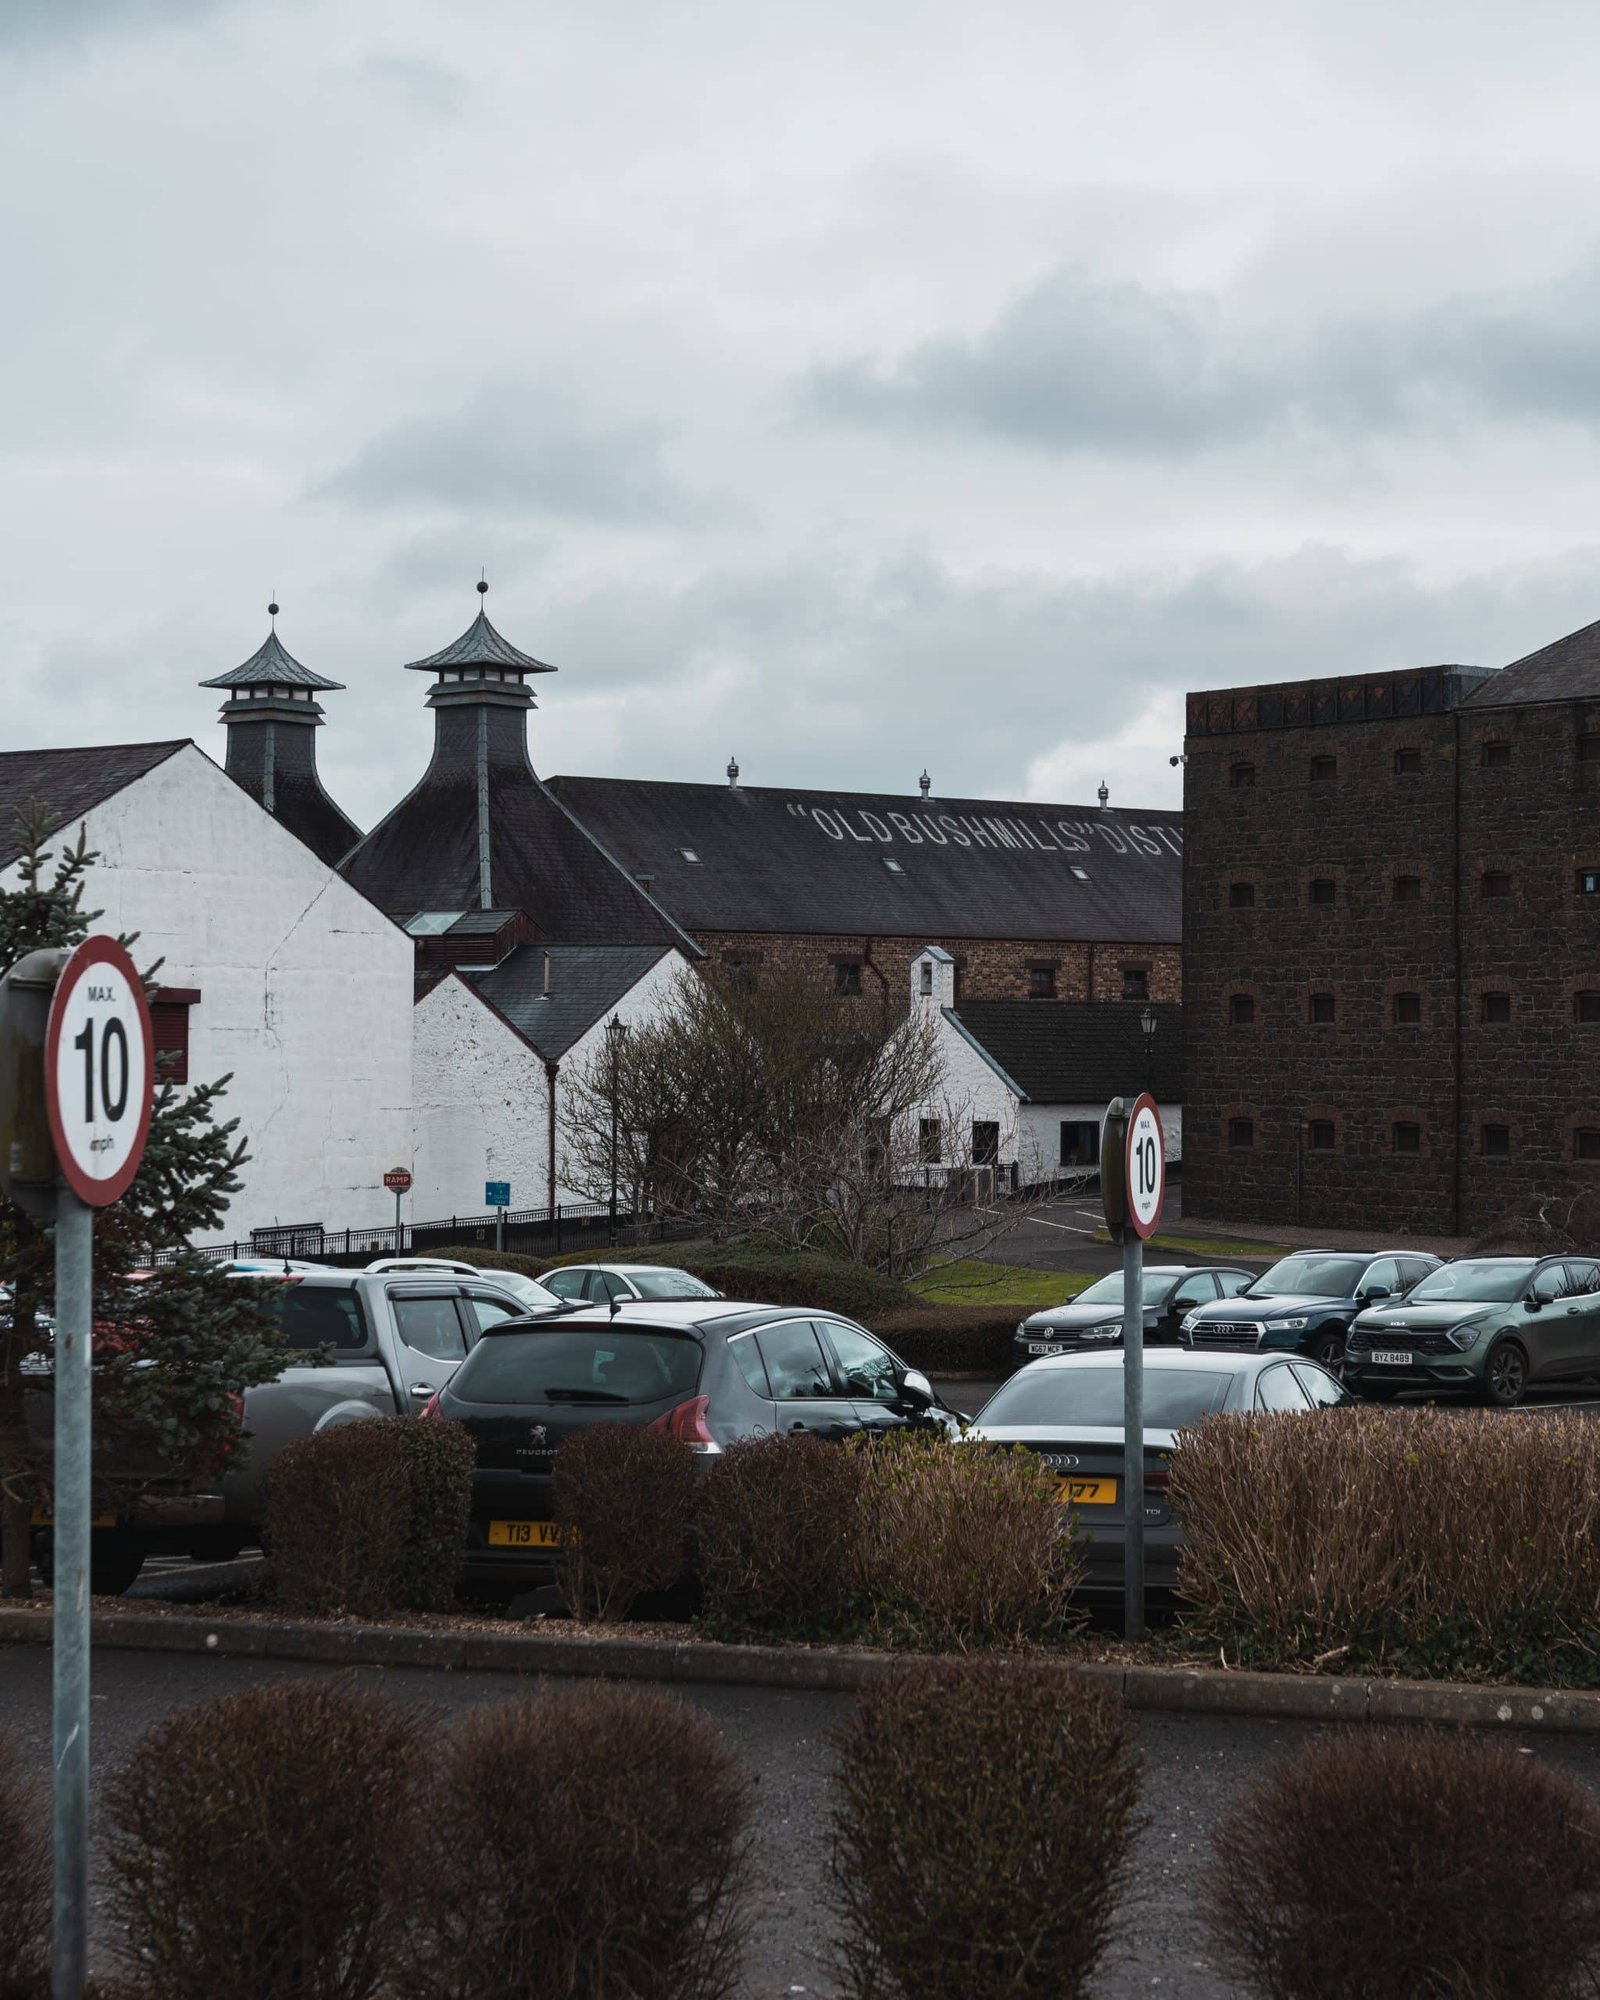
(1566,670)
(772,860)
(586,982)
(271,661)
(69,783)
(479,646)
(1076,1051)
(300,804)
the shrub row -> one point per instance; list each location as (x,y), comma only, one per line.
(951,1340)
(317,1841)
(370,1517)
(1427,1541)
(764,1273)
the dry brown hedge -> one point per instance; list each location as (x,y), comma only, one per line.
(985,1814)
(627,1496)
(24,1877)
(255,1845)
(1413,1866)
(576,1843)
(962,1546)
(779,1539)
(1424,1540)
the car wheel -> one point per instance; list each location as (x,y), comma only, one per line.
(1328,1348)
(1505,1376)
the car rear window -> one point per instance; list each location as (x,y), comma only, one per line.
(319,1316)
(669,1285)
(1093,1397)
(579,1364)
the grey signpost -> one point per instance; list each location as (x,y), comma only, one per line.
(497,1195)
(398,1181)
(1133,1180)
(77,1078)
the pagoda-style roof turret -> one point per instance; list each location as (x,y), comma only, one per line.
(478,647)
(273,665)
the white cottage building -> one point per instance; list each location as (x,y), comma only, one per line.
(272,968)
(1025,1083)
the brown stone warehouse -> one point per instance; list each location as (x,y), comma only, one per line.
(1392,924)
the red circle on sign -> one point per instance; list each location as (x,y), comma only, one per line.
(397,1179)
(91,953)
(1145,1103)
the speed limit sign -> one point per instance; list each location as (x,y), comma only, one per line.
(1146,1166)
(99,1071)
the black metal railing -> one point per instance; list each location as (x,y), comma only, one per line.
(534,1232)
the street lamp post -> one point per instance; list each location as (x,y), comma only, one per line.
(1147,1027)
(615,1030)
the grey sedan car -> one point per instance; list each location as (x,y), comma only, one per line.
(1068,1408)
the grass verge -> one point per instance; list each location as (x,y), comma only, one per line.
(971,1282)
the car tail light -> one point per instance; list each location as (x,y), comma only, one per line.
(1157,1482)
(688,1421)
(431,1407)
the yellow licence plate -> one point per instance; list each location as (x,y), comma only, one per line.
(42,1519)
(524,1535)
(1087,1492)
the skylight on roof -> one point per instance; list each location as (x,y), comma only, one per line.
(892,865)
(1081,873)
(429,923)
(688,854)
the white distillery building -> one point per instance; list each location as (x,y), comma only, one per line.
(1025,1083)
(273,967)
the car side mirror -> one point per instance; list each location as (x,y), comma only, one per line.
(1375,1292)
(1534,1305)
(916,1388)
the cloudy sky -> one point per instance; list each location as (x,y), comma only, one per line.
(851,386)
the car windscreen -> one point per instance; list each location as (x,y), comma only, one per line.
(528,1290)
(1091,1398)
(1108,1291)
(579,1364)
(318,1316)
(1475,1280)
(1310,1277)
(669,1285)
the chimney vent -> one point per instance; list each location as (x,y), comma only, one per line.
(733,773)
(925,782)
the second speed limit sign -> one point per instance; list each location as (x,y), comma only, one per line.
(1146,1166)
(99,1067)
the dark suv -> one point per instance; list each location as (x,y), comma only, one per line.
(1307,1301)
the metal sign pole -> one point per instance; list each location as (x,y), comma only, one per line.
(74,1381)
(1133,1431)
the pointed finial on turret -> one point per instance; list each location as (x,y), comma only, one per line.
(483,588)
(272,611)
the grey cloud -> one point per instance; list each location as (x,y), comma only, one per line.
(431,88)
(40,23)
(520,449)
(1078,366)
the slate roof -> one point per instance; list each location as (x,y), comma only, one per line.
(1076,1051)
(271,661)
(772,860)
(586,982)
(70,783)
(300,804)
(479,646)
(1566,670)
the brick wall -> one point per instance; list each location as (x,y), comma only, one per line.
(1378,823)
(991,968)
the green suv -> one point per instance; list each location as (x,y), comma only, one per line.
(1488,1326)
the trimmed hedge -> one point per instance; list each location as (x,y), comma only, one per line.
(765,1275)
(780,1535)
(24,1877)
(440,1459)
(624,1498)
(951,1340)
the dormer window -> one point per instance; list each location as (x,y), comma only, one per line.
(925,980)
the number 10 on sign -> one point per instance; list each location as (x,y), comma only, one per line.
(1146,1167)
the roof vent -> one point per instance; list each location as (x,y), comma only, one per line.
(1104,795)
(733,772)
(925,782)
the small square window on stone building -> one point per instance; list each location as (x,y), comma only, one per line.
(1586,1143)
(1495,756)
(1408,888)
(1242,1009)
(1241,1131)
(1589,881)
(1496,1142)
(1496,882)
(1494,1009)
(1589,747)
(1320,1135)
(925,980)
(1241,895)
(1586,1006)
(1322,891)
(1135,982)
(847,976)
(1242,775)
(1323,1010)
(1407,763)
(1408,1010)
(1041,982)
(1324,768)
(1406,1136)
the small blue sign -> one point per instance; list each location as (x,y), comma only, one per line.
(497,1194)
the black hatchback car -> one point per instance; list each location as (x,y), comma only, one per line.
(1094,1317)
(1306,1302)
(709,1372)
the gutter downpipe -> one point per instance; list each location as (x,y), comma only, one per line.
(1455,922)
(873,967)
(551,1068)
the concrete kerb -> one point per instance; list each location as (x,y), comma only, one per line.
(1174,1690)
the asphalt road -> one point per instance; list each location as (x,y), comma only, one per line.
(1194,1767)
